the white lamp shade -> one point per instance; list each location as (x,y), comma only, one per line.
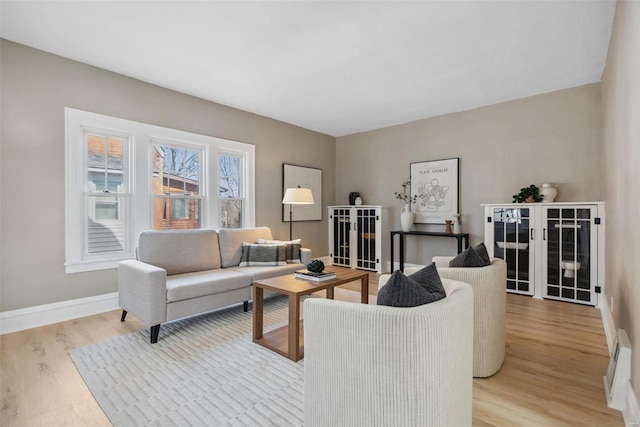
(298,196)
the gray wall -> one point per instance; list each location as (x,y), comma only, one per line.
(621,100)
(36,86)
(554,137)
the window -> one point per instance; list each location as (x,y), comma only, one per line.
(176,186)
(106,192)
(125,177)
(230,190)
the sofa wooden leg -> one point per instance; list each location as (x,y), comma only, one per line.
(155,331)
(124,314)
(245,306)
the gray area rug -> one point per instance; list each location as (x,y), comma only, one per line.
(204,371)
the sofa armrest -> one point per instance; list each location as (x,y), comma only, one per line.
(305,256)
(142,291)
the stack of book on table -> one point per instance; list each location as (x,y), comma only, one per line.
(316,277)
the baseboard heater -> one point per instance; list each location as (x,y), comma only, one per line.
(619,372)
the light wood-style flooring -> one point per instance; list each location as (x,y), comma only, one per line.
(552,375)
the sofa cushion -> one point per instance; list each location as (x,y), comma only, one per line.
(292,251)
(481,249)
(180,251)
(262,255)
(193,285)
(259,273)
(429,278)
(403,291)
(468,258)
(231,240)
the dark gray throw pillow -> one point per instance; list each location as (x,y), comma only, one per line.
(429,279)
(468,258)
(402,291)
(420,288)
(481,249)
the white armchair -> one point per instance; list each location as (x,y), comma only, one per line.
(370,365)
(490,305)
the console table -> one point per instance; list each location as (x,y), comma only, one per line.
(459,237)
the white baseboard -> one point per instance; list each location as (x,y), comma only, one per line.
(47,314)
(609,324)
(631,411)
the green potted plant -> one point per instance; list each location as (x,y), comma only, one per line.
(406,198)
(528,194)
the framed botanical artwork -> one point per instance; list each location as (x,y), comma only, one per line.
(304,177)
(435,183)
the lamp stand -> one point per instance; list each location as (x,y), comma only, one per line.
(290,222)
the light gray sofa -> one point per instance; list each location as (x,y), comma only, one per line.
(180,273)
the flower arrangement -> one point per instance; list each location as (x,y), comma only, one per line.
(407,198)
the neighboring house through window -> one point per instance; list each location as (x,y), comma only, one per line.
(125,177)
(177,195)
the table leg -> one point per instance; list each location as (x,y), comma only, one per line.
(364,289)
(258,309)
(402,252)
(459,244)
(392,238)
(330,293)
(294,327)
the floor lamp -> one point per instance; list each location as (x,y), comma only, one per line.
(296,196)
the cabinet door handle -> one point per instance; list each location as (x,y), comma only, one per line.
(532,235)
(544,234)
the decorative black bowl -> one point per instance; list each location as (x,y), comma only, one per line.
(315,266)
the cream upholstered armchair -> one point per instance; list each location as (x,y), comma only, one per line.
(490,301)
(371,365)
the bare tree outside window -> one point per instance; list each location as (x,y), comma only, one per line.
(230,191)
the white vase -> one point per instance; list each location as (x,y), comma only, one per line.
(358,201)
(456,224)
(548,193)
(406,218)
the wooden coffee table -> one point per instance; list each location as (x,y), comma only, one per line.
(288,340)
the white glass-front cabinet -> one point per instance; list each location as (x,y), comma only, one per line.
(552,250)
(356,236)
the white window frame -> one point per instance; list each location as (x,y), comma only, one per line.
(139,212)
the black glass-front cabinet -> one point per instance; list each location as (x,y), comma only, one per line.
(356,235)
(552,250)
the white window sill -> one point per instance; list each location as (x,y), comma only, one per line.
(83,266)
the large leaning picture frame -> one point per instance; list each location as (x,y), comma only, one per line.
(305,177)
(436,185)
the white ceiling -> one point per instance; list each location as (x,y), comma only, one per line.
(333,67)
